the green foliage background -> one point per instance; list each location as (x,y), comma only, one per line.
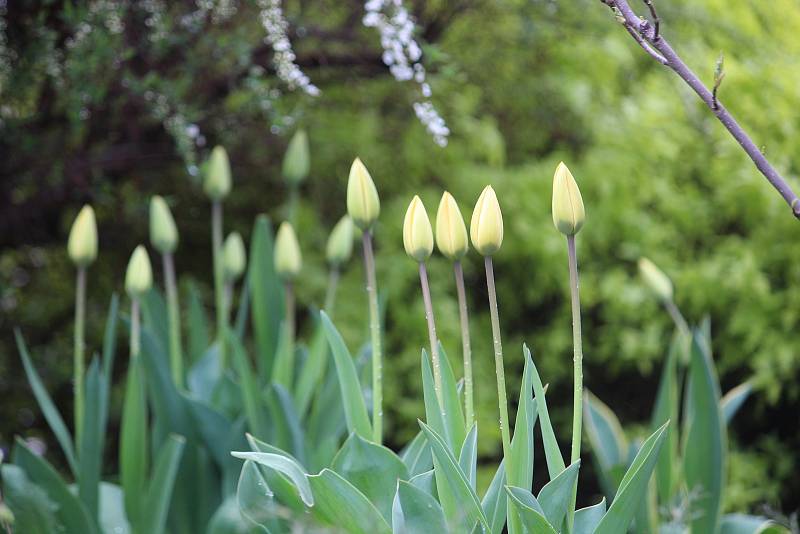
(522,84)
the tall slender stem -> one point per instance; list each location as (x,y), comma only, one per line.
(330,293)
(437,366)
(173,311)
(577,364)
(469,407)
(219,292)
(289,325)
(79,359)
(505,432)
(375,335)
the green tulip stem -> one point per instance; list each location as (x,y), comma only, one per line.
(173,311)
(505,431)
(219,290)
(330,293)
(289,323)
(437,366)
(577,363)
(469,409)
(375,335)
(79,365)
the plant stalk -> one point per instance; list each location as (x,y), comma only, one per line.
(505,431)
(577,363)
(173,311)
(79,358)
(136,329)
(219,290)
(469,407)
(437,366)
(375,335)
(330,293)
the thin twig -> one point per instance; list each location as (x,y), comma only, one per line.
(648,34)
(644,44)
(719,75)
(656,19)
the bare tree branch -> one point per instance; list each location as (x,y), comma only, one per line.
(647,36)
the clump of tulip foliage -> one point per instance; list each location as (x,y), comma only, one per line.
(221,432)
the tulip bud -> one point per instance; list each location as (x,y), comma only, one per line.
(234,257)
(163,232)
(451,232)
(568,212)
(217,179)
(340,242)
(363,204)
(658,282)
(6,515)
(288,259)
(417,231)
(296,159)
(486,227)
(139,277)
(82,244)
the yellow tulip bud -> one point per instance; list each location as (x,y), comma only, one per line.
(658,282)
(82,244)
(340,242)
(163,232)
(417,231)
(217,179)
(486,227)
(234,257)
(451,232)
(139,277)
(296,160)
(568,211)
(288,259)
(363,204)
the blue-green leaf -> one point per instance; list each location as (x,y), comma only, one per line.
(112,510)
(495,502)
(313,370)
(733,400)
(133,445)
(249,387)
(34,512)
(749,524)
(266,296)
(254,496)
(340,503)
(609,446)
(555,496)
(159,491)
(416,512)
(284,465)
(531,512)
(452,410)
(666,409)
(91,445)
(434,414)
(587,519)
(417,455)
(555,462)
(197,325)
(468,457)
(521,461)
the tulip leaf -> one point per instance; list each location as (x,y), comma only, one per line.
(521,461)
(416,512)
(266,296)
(254,496)
(555,462)
(609,446)
(417,455)
(530,511)
(112,510)
(666,409)
(587,519)
(495,502)
(468,457)
(341,504)
(555,496)
(434,414)
(748,524)
(733,400)
(159,491)
(248,385)
(425,481)
(197,325)
(134,444)
(34,512)
(452,410)
(285,465)
(91,446)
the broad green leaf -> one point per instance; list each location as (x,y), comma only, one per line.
(34,512)
(197,325)
(521,461)
(555,496)
(133,445)
(205,374)
(748,524)
(154,315)
(313,370)
(284,465)
(283,367)
(109,352)
(69,510)
(266,296)
(633,487)
(666,409)
(249,387)
(285,423)
(242,313)
(49,410)
(587,519)
(254,496)
(112,510)
(454,479)
(434,414)
(452,410)
(91,446)
(417,455)
(340,503)
(159,491)
(468,457)
(214,428)
(733,400)
(425,481)
(373,469)
(495,502)
(609,446)
(416,512)
(531,512)
(227,519)
(705,447)
(354,407)
(555,462)
(286,491)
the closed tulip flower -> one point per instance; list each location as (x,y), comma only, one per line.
(82,244)
(568,211)
(234,257)
(217,179)
(417,231)
(658,282)
(163,232)
(451,232)
(288,259)
(486,227)
(139,276)
(363,204)
(296,160)
(340,243)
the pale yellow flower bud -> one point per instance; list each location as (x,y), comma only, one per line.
(417,231)
(486,227)
(82,244)
(163,232)
(217,179)
(234,257)
(363,204)
(288,259)
(568,211)
(340,242)
(658,282)
(296,160)
(139,277)
(451,232)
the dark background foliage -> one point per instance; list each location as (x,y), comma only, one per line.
(99,104)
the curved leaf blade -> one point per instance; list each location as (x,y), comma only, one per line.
(341,504)
(284,465)
(416,512)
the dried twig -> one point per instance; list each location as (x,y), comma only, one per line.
(648,37)
(719,75)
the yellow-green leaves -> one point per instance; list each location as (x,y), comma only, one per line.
(340,242)
(82,244)
(451,232)
(417,231)
(288,259)
(658,282)
(486,227)
(296,160)
(163,232)
(139,277)
(234,257)
(363,204)
(217,179)
(568,212)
